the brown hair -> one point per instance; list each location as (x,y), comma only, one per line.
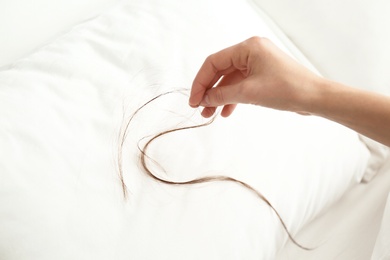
(144,163)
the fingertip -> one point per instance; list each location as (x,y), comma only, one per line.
(224,114)
(195,99)
(208,111)
(228,110)
(193,105)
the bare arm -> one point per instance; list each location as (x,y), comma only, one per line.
(257,72)
(365,112)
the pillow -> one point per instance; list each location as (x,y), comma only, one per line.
(41,23)
(379,155)
(64,106)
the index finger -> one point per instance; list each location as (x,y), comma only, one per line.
(214,67)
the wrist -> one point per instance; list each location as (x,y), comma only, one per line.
(313,97)
(333,100)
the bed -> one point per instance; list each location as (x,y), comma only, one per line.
(69,87)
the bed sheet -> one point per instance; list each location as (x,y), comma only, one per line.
(382,244)
(352,47)
(63,108)
(349,229)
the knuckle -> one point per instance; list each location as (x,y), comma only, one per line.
(257,42)
(255,39)
(211,61)
(209,58)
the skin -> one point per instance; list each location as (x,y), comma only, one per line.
(257,72)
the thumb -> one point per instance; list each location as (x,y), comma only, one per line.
(220,95)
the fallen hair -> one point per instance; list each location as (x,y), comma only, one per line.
(144,163)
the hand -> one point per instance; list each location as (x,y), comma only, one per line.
(252,72)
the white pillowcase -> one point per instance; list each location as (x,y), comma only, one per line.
(379,155)
(63,107)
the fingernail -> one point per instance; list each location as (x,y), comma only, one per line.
(206,101)
(193,106)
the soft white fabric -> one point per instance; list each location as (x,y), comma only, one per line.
(348,229)
(27,25)
(62,111)
(382,245)
(379,155)
(346,40)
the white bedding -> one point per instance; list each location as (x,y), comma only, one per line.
(26,26)
(63,107)
(351,47)
(382,246)
(349,228)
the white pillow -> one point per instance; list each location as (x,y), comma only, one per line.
(62,111)
(379,155)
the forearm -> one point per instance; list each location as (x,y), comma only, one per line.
(365,112)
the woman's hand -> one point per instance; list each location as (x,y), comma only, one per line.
(257,72)
(252,72)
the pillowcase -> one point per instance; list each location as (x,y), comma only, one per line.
(63,108)
(379,155)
